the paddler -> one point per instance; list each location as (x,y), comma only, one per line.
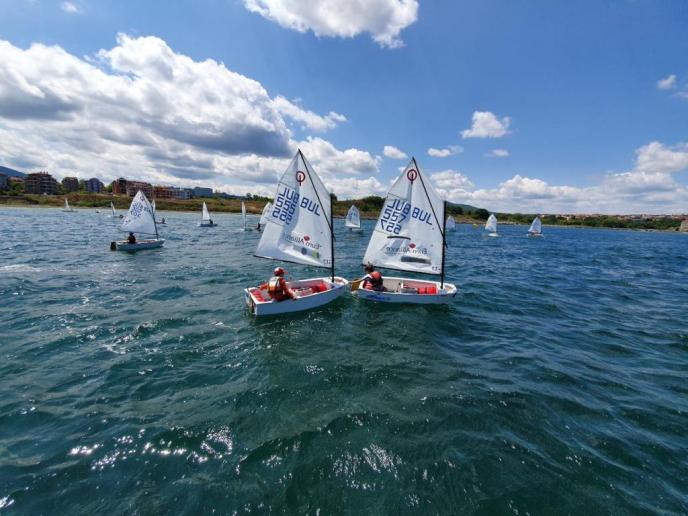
(277,286)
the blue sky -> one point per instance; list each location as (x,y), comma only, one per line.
(568,94)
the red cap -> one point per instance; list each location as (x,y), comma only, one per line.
(279,271)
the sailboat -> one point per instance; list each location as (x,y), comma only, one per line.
(353,219)
(409,236)
(140,220)
(535,228)
(206,221)
(67,208)
(451,223)
(264,216)
(112,208)
(491,226)
(157,221)
(299,230)
(243,214)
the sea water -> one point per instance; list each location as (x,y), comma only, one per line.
(556,382)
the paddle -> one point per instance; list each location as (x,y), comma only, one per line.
(355,283)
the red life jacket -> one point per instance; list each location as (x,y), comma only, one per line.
(277,288)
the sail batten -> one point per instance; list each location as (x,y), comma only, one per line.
(140,218)
(353,218)
(408,234)
(297,228)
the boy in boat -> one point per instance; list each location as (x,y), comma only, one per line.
(131,239)
(373,279)
(277,286)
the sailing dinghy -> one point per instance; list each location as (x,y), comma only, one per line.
(139,220)
(409,236)
(206,221)
(157,221)
(535,228)
(491,226)
(243,214)
(451,223)
(353,219)
(112,209)
(67,208)
(299,230)
(264,216)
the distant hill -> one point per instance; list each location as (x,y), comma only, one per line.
(467,208)
(11,172)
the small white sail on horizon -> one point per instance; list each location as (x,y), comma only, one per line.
(451,224)
(112,208)
(535,227)
(67,207)
(266,212)
(353,218)
(206,221)
(491,225)
(243,214)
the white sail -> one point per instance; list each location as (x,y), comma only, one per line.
(451,223)
(408,234)
(353,218)
(491,224)
(140,218)
(66,207)
(112,207)
(266,213)
(243,212)
(299,228)
(153,205)
(206,215)
(536,226)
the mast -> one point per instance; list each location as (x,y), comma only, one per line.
(444,223)
(332,236)
(155,223)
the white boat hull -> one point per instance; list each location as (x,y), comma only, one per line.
(259,302)
(123,245)
(492,235)
(534,234)
(415,291)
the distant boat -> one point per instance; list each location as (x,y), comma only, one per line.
(112,207)
(535,228)
(264,216)
(243,213)
(451,223)
(206,221)
(409,236)
(157,221)
(139,220)
(66,206)
(491,226)
(353,219)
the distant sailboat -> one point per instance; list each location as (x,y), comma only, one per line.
(535,228)
(243,213)
(140,220)
(491,226)
(451,223)
(156,220)
(112,208)
(66,206)
(206,221)
(353,219)
(264,216)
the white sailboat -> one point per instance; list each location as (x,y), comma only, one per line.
(206,221)
(491,226)
(67,208)
(535,229)
(451,223)
(409,236)
(299,230)
(353,219)
(154,214)
(264,216)
(139,220)
(243,214)
(112,208)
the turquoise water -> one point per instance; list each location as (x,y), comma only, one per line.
(555,383)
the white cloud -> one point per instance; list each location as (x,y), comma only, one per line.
(309,119)
(382,19)
(667,84)
(498,153)
(487,125)
(140,110)
(446,152)
(392,152)
(355,188)
(70,8)
(656,157)
(451,179)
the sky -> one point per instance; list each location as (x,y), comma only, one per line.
(537,107)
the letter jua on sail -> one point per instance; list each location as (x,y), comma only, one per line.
(140,217)
(298,227)
(408,234)
(353,218)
